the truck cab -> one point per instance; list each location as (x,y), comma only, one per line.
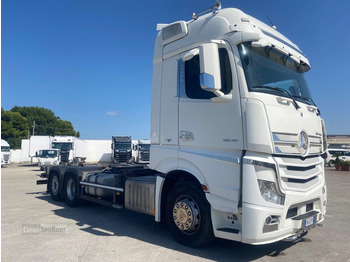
(47,157)
(5,153)
(140,151)
(232,110)
(65,147)
(121,149)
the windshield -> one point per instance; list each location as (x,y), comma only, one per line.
(268,70)
(123,146)
(145,147)
(5,149)
(48,153)
(62,146)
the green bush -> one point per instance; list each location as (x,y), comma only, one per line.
(344,163)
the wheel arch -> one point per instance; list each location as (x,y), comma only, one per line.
(171,179)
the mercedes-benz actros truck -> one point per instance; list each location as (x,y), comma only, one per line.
(236,139)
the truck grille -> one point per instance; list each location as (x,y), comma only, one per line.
(145,156)
(299,174)
(287,144)
(122,157)
(64,156)
(6,157)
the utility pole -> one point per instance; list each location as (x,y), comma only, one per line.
(33,127)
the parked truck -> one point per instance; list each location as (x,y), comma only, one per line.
(236,139)
(5,153)
(140,151)
(121,149)
(48,157)
(71,149)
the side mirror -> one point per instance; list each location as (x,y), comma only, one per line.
(210,76)
(210,79)
(36,153)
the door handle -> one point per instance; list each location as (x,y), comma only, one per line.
(186,136)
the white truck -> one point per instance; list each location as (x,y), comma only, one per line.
(48,157)
(5,153)
(71,149)
(236,140)
(141,151)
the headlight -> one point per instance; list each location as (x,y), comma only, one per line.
(269,192)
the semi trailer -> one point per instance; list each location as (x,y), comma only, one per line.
(236,139)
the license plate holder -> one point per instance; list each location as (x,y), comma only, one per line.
(307,222)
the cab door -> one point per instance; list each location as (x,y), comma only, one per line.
(210,130)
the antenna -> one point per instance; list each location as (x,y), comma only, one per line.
(272,25)
(217,6)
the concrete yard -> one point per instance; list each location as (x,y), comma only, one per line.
(97,233)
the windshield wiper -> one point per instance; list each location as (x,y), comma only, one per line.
(305,98)
(281,90)
(318,112)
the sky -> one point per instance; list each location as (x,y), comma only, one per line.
(90,61)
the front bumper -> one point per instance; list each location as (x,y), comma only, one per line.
(5,162)
(264,222)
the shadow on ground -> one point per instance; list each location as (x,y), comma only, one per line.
(105,221)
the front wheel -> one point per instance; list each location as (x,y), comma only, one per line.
(71,190)
(188,215)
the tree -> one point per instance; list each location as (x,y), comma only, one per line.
(14,128)
(18,124)
(45,122)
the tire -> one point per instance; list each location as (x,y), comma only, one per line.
(188,215)
(331,163)
(55,187)
(71,191)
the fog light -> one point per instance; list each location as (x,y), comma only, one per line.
(268,220)
(271,220)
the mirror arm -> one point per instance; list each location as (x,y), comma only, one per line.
(221,98)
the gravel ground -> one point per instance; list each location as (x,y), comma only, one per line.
(35,228)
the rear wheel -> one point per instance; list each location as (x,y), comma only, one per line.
(71,190)
(188,215)
(55,187)
(331,163)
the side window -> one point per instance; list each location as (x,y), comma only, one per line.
(192,72)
